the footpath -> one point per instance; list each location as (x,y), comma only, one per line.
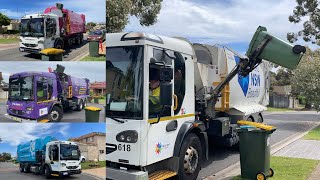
(96,172)
(293,147)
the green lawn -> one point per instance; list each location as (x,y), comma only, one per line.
(314,134)
(290,168)
(86,165)
(271,109)
(88,58)
(102,101)
(8,41)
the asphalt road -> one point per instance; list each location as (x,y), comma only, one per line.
(287,123)
(11,171)
(13,54)
(68,116)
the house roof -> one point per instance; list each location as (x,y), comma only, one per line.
(98,85)
(88,135)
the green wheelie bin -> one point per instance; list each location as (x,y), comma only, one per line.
(255,152)
(94,48)
(275,50)
(92,114)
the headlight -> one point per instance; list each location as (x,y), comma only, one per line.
(129,136)
(29,108)
(40,42)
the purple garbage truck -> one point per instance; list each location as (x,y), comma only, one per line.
(44,95)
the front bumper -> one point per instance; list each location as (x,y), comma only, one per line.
(30,50)
(67,173)
(19,119)
(115,174)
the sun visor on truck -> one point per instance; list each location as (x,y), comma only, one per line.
(276,50)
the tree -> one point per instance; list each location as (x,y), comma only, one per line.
(311,27)
(4,20)
(5,157)
(306,78)
(118,12)
(91,24)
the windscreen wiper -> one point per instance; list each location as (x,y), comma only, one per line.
(118,120)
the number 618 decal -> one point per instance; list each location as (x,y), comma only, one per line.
(124,147)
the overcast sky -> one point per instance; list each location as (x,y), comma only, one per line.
(94,71)
(95,10)
(12,134)
(228,22)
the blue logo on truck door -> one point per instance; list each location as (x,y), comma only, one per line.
(250,84)
(243,81)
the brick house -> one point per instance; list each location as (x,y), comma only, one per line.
(98,88)
(92,146)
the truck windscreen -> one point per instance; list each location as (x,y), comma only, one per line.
(125,82)
(69,152)
(32,27)
(21,88)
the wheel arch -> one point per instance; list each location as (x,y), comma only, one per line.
(185,130)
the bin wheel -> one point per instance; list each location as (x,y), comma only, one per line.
(271,172)
(261,176)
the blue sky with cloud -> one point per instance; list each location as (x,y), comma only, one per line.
(95,11)
(13,134)
(230,22)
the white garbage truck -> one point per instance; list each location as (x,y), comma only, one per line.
(201,92)
(50,157)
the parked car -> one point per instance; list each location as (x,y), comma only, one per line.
(96,35)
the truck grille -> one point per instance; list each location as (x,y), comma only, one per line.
(29,45)
(17,112)
(72,167)
(110,148)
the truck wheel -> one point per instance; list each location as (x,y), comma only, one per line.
(27,168)
(47,172)
(78,40)
(84,104)
(58,45)
(21,169)
(260,118)
(80,106)
(250,119)
(55,114)
(190,158)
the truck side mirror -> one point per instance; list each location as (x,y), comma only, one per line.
(166,94)
(166,74)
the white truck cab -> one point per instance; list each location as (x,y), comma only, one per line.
(38,32)
(62,158)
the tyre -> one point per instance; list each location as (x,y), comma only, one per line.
(261,176)
(47,172)
(260,118)
(21,169)
(190,158)
(250,119)
(85,103)
(59,45)
(271,172)
(83,160)
(56,114)
(80,105)
(27,168)
(78,40)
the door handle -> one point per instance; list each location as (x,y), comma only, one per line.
(175,97)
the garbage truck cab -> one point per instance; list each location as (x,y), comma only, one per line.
(165,102)
(135,136)
(50,157)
